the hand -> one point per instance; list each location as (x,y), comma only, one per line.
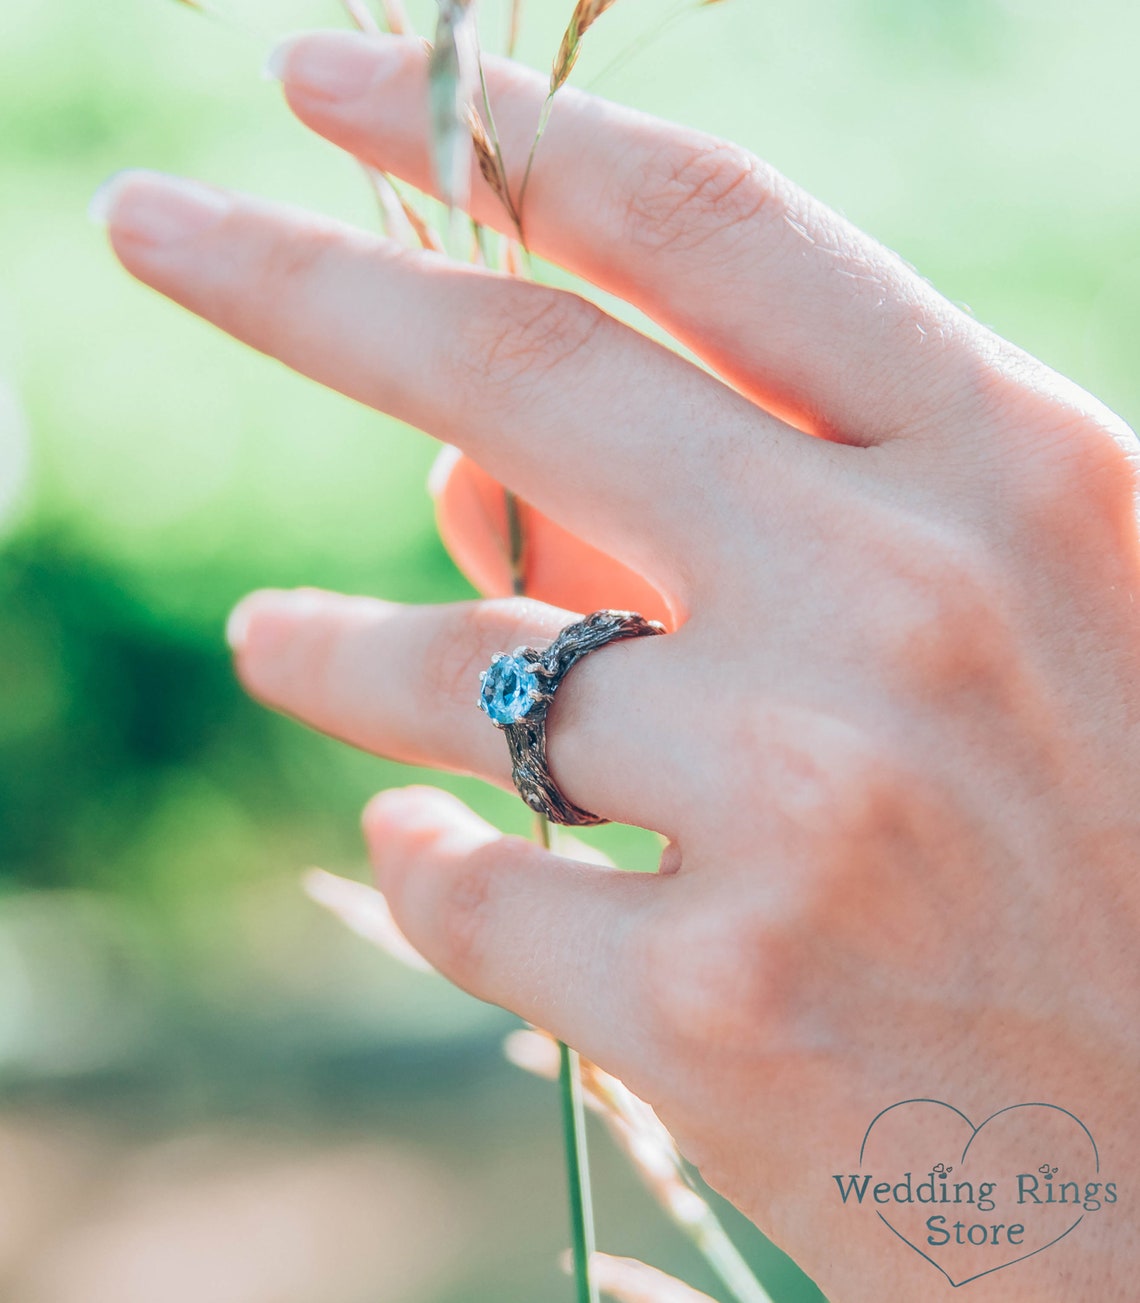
(894,739)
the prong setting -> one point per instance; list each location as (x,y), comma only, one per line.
(516,690)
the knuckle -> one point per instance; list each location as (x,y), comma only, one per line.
(1085,474)
(521,334)
(838,785)
(288,266)
(464,910)
(714,976)
(292,262)
(944,617)
(848,795)
(1074,464)
(688,193)
(282,278)
(836,797)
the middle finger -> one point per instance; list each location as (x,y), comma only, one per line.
(790,302)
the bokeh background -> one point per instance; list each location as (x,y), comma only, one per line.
(209,1090)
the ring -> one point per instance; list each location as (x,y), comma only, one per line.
(516,690)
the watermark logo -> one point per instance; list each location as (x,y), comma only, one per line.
(975,1199)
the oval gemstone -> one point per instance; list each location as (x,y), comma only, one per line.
(508,689)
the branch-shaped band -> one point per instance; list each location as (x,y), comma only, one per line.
(516,690)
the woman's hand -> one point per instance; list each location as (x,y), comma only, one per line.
(895,739)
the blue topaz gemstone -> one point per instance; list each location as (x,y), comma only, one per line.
(508,689)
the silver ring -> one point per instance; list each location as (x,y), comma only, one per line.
(516,690)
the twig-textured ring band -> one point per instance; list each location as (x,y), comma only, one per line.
(515,692)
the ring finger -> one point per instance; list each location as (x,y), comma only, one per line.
(403,681)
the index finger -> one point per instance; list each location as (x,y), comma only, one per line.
(606,431)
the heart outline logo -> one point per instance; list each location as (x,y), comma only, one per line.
(974,1133)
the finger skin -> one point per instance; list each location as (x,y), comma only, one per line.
(534,382)
(551,939)
(789,301)
(558,567)
(403,682)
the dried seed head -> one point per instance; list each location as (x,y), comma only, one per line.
(513,258)
(360,16)
(647,1143)
(586,13)
(630,1281)
(365,912)
(536,1052)
(400,219)
(422,231)
(514,27)
(533,1051)
(395,17)
(490,164)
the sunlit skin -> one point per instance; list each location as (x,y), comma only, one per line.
(895,739)
(558,567)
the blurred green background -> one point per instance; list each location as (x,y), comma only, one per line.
(207,1089)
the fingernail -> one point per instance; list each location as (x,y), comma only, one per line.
(441,469)
(333,66)
(242,616)
(274,67)
(276,611)
(237,626)
(157,209)
(408,811)
(100,204)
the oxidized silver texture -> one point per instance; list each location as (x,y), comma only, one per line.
(526,738)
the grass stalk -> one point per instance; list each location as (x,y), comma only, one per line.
(574,1137)
(501,181)
(725,1259)
(514,28)
(569,1067)
(396,18)
(448,100)
(516,542)
(647,38)
(360,16)
(578,1172)
(540,131)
